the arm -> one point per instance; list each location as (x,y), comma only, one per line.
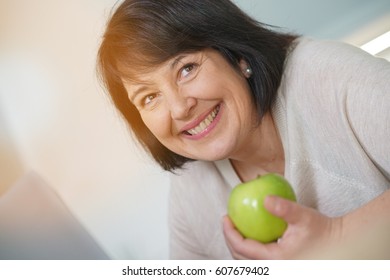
(371,214)
(183,242)
(313,235)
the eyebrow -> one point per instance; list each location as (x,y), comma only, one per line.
(177,60)
(142,88)
(136,92)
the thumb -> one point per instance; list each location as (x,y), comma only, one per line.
(288,210)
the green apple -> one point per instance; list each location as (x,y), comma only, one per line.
(247,212)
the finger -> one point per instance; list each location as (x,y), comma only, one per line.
(288,210)
(230,234)
(242,248)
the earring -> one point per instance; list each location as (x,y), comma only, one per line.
(248,72)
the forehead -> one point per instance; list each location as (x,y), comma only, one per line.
(143,77)
(136,73)
(151,75)
(142,73)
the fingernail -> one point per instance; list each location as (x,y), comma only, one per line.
(270,199)
(272,202)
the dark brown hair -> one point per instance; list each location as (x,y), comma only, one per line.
(146,33)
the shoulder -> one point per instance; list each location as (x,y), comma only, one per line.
(319,49)
(318,71)
(331,58)
(192,172)
(198,202)
(191,180)
(199,181)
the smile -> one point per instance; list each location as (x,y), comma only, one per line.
(205,124)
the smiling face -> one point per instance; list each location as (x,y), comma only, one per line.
(197,105)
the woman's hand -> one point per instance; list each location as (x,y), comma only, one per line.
(306,229)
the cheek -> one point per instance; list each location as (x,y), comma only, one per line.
(157,123)
(208,85)
(221,84)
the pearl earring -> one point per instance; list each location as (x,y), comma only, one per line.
(248,72)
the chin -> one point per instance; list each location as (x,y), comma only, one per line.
(213,156)
(212,151)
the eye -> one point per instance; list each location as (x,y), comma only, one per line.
(186,70)
(148,99)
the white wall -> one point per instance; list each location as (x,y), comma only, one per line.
(56,120)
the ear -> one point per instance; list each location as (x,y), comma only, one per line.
(245,68)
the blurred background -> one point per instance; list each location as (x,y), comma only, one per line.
(56,119)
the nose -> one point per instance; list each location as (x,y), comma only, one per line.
(180,105)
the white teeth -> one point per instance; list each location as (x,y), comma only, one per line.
(205,123)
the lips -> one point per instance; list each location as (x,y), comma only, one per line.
(199,126)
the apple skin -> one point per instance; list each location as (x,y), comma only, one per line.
(247,212)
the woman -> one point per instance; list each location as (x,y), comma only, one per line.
(218,98)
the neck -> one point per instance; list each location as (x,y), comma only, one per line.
(261,153)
